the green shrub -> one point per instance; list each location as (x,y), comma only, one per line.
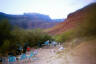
(36,36)
(32,37)
(10,38)
(64,36)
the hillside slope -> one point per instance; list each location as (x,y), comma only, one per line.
(74,19)
(85,53)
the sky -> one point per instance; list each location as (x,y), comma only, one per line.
(56,9)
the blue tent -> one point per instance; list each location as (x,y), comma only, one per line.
(11,58)
(46,43)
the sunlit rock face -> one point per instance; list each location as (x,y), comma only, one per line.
(74,19)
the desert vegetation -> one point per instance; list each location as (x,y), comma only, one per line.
(11,37)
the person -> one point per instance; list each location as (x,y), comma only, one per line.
(28,48)
(24,49)
(23,56)
(49,42)
(39,44)
(4,60)
(29,56)
(21,49)
(35,52)
(17,51)
(54,43)
(0,59)
(53,51)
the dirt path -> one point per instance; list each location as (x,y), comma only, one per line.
(81,55)
(47,56)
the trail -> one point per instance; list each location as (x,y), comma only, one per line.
(53,56)
(47,56)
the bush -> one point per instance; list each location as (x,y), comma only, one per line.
(36,36)
(10,38)
(64,36)
(32,37)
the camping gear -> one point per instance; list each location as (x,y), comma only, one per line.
(23,56)
(46,43)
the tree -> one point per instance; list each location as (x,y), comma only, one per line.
(5,29)
(6,39)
